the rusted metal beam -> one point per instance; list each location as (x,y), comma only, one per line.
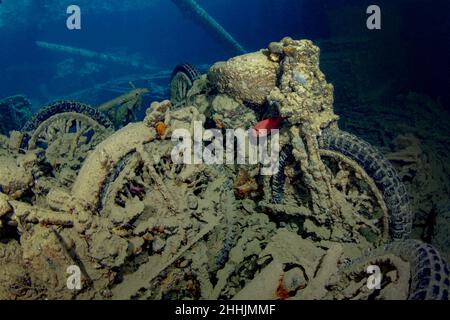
(201,16)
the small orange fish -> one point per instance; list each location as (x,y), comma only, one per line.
(160,129)
(267,124)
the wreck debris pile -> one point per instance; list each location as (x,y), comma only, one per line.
(140,226)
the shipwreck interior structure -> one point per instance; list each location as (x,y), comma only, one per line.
(93,186)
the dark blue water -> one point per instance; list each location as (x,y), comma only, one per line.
(412,49)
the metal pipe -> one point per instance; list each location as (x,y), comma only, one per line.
(202,17)
(95,55)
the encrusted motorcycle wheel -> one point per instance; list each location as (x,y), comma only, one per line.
(154,212)
(137,175)
(409,269)
(367,182)
(181,81)
(67,131)
(163,209)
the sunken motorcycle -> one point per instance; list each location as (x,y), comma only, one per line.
(141,226)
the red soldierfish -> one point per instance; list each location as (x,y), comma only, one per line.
(267,124)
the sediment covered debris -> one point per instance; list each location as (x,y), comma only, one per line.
(138,225)
(14,112)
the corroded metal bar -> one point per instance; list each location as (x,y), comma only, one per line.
(24,212)
(94,55)
(202,17)
(131,96)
